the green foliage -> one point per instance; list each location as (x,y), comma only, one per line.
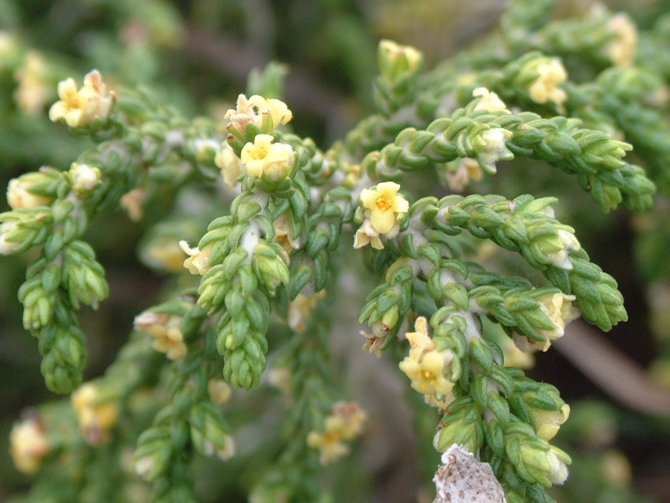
(254,306)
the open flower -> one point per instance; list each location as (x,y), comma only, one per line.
(545,87)
(198,260)
(29,445)
(345,422)
(96,415)
(266,114)
(383,209)
(427,366)
(82,107)
(262,158)
(165,329)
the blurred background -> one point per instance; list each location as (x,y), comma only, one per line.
(197,55)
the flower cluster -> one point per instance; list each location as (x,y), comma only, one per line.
(428,367)
(383,212)
(343,423)
(82,107)
(29,444)
(96,414)
(165,329)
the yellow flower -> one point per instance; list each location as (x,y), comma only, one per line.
(82,107)
(301,308)
(198,260)
(276,108)
(264,158)
(330,445)
(29,445)
(284,234)
(133,202)
(219,391)
(33,90)
(254,110)
(420,342)
(548,422)
(165,329)
(18,196)
(558,307)
(96,415)
(383,208)
(427,372)
(490,101)
(544,88)
(466,169)
(230,164)
(344,423)
(621,50)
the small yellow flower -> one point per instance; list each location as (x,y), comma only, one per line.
(467,169)
(344,423)
(230,164)
(82,107)
(254,109)
(277,109)
(264,158)
(544,88)
(165,329)
(133,202)
(96,416)
(301,308)
(198,260)
(284,234)
(219,391)
(548,422)
(33,90)
(427,373)
(29,445)
(420,342)
(490,101)
(383,208)
(621,50)
(558,307)
(18,196)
